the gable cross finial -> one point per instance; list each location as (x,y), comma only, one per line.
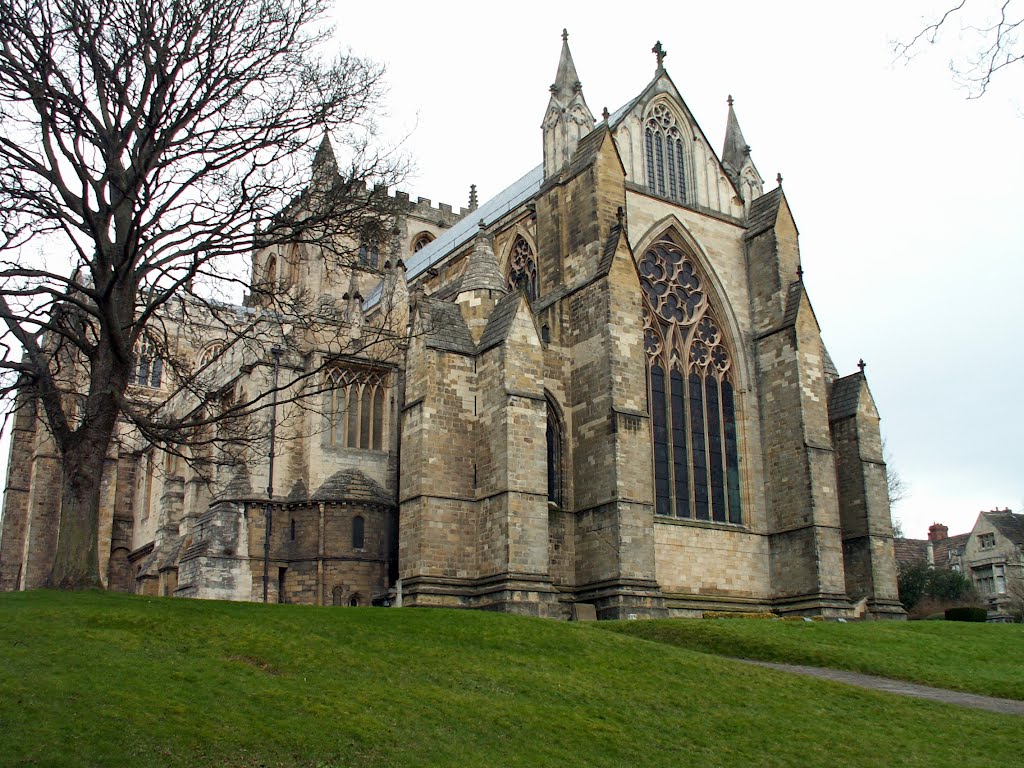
(606,114)
(660,53)
(778,179)
(800,272)
(729,100)
(862,365)
(565,35)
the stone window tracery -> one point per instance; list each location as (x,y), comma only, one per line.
(356,408)
(666,153)
(149,366)
(522,269)
(692,395)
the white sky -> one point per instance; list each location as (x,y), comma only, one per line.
(905,192)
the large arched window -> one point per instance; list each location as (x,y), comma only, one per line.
(554,456)
(667,154)
(692,393)
(356,408)
(522,269)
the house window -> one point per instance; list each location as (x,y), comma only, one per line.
(356,408)
(667,156)
(986,540)
(149,367)
(522,269)
(358,532)
(691,392)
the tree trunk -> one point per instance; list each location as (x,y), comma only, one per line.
(76,563)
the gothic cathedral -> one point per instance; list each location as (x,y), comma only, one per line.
(609,389)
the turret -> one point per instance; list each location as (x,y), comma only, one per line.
(568,118)
(482,286)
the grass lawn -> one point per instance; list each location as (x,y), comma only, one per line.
(99,679)
(978,658)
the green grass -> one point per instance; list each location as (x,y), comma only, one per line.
(110,680)
(978,658)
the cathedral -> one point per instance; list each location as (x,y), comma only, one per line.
(605,392)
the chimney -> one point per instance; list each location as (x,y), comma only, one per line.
(938,532)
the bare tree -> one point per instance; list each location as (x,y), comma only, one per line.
(897,486)
(990,30)
(146,147)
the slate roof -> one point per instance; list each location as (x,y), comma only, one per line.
(763,212)
(352,485)
(845,397)
(446,328)
(299,491)
(611,245)
(500,321)
(830,368)
(587,150)
(482,272)
(466,228)
(793,298)
(1010,524)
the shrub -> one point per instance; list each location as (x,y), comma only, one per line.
(920,583)
(966,614)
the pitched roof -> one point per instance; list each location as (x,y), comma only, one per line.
(500,321)
(763,212)
(466,228)
(352,485)
(943,548)
(446,327)
(1010,524)
(610,246)
(845,396)
(910,551)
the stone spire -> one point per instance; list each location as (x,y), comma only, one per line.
(482,286)
(325,165)
(737,161)
(568,118)
(482,272)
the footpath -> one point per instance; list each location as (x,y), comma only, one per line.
(944,695)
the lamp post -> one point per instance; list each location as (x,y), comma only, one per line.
(276,352)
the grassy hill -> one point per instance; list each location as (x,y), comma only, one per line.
(977,658)
(109,680)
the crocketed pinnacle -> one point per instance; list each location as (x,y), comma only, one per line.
(736,149)
(567,82)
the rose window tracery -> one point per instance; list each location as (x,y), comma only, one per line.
(522,269)
(692,399)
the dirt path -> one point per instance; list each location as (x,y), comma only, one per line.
(990,703)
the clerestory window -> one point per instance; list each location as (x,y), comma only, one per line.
(667,155)
(691,392)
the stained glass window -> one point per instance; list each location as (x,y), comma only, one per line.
(692,396)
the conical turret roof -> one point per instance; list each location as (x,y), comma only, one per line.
(482,272)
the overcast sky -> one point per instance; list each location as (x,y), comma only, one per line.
(906,194)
